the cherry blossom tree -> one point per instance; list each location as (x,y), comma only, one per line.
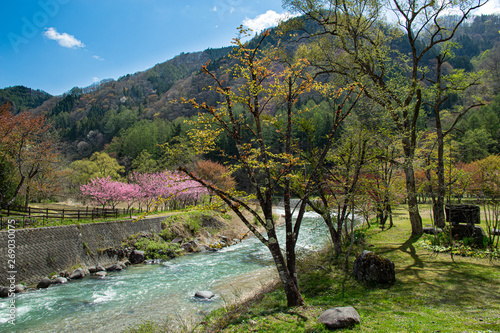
(172,189)
(104,191)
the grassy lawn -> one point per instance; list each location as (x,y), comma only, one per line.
(432,293)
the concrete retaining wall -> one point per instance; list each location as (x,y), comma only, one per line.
(42,251)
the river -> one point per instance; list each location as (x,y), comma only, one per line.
(154,291)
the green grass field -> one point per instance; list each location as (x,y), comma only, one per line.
(432,293)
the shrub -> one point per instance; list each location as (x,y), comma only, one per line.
(158,248)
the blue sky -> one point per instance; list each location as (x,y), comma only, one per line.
(54,45)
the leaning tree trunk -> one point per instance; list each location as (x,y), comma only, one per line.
(293,296)
(27,197)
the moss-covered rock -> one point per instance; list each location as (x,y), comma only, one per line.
(373,269)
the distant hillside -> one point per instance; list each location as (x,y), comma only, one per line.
(84,109)
(23,98)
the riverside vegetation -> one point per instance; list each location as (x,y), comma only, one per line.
(433,292)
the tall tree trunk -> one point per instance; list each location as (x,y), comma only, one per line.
(415,219)
(438,208)
(291,239)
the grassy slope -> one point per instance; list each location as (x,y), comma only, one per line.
(433,293)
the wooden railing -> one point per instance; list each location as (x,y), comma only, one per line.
(26,217)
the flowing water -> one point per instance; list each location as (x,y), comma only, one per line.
(154,292)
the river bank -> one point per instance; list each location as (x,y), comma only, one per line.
(148,291)
(39,252)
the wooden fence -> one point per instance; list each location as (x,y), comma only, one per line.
(30,215)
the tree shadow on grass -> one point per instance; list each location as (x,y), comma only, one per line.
(408,248)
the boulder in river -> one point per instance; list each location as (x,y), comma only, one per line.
(136,257)
(19,288)
(65,274)
(60,280)
(96,268)
(206,248)
(113,268)
(45,283)
(101,275)
(78,273)
(204,294)
(341,317)
(190,247)
(4,292)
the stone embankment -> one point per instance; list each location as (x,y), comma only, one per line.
(76,251)
(40,252)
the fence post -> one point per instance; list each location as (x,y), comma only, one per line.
(62,217)
(47,213)
(78,214)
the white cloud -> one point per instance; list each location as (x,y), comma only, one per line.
(97,58)
(95,79)
(214,9)
(64,39)
(491,7)
(266,20)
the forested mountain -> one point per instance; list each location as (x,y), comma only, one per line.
(82,109)
(22,98)
(138,105)
(87,118)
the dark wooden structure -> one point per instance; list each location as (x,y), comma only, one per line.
(464,220)
(468,214)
